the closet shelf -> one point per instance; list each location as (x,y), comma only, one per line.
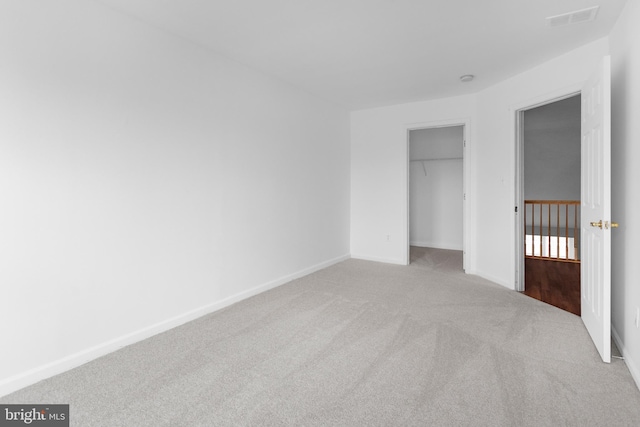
(432,160)
(422,161)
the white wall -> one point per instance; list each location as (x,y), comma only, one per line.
(378,163)
(379,175)
(552,151)
(436,187)
(495,160)
(625,153)
(551,140)
(145,181)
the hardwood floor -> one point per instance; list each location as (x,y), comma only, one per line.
(554,282)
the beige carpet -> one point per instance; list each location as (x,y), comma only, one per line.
(359,344)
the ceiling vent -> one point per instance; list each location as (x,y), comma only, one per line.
(584,15)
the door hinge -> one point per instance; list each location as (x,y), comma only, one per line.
(516,209)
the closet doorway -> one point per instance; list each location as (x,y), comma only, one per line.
(436,190)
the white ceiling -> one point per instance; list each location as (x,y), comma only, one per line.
(363,53)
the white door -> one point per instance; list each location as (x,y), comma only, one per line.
(595,282)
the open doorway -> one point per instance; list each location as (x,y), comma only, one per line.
(436,193)
(550,145)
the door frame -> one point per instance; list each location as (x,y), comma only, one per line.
(465,123)
(517,114)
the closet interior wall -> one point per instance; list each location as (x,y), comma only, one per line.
(436,187)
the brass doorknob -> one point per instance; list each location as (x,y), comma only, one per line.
(614,225)
(596,224)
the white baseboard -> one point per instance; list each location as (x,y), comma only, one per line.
(633,368)
(378,259)
(496,280)
(437,245)
(14,383)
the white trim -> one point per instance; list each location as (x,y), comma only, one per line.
(494,279)
(378,259)
(519,200)
(48,370)
(557,95)
(633,369)
(465,122)
(437,246)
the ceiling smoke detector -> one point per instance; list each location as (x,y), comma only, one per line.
(466,78)
(583,15)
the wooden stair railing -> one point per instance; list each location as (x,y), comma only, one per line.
(552,230)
